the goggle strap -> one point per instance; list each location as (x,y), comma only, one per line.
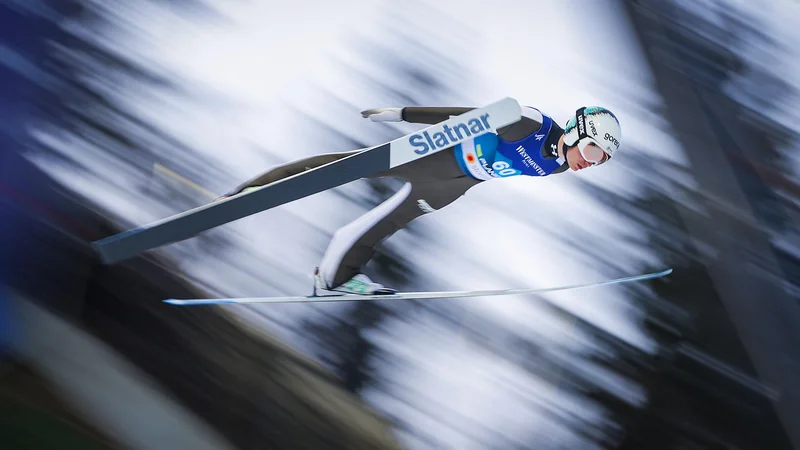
(580,122)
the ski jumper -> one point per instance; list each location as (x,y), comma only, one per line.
(527,147)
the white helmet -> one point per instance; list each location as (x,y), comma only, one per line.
(593,124)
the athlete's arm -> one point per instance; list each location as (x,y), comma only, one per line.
(431,115)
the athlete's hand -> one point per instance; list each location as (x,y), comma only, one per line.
(383,114)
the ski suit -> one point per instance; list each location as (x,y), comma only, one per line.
(527,147)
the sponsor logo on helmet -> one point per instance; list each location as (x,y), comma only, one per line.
(591,126)
(613,140)
(581,126)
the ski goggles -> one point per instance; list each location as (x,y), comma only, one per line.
(593,154)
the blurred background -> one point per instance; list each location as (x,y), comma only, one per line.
(116,114)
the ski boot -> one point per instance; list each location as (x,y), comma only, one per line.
(359,285)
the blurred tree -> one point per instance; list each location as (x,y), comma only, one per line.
(65,65)
(342,340)
(700,386)
(82,117)
(83,107)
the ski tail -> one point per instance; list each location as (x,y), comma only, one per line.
(413,295)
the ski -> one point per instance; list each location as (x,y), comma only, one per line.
(409,295)
(372,160)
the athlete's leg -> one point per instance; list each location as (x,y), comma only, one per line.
(292,168)
(431,183)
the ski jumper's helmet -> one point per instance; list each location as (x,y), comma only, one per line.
(593,124)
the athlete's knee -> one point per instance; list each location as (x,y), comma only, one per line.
(347,250)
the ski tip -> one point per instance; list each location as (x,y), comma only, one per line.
(660,274)
(177,302)
(173,301)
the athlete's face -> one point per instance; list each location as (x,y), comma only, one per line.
(577,162)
